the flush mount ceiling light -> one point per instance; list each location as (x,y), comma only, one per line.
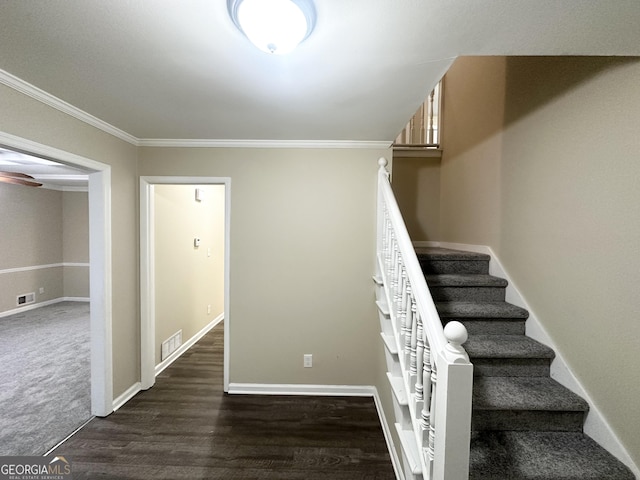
(274,26)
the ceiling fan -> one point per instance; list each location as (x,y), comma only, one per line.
(19,179)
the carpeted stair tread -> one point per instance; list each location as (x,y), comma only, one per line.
(506,346)
(442,260)
(524,393)
(464,280)
(484,310)
(439,253)
(541,456)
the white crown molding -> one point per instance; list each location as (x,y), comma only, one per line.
(40,95)
(64,188)
(211,143)
(36,93)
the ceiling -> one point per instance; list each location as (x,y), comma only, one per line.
(169,69)
(51,174)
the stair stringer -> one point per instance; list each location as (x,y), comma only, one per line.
(596,425)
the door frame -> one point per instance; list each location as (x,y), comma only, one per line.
(100,275)
(147,269)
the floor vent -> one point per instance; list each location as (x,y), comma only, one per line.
(26,298)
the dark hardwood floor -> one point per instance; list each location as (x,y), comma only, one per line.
(186,427)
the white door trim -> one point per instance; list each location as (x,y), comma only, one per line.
(147,273)
(100,263)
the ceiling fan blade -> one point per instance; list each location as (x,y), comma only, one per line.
(19,179)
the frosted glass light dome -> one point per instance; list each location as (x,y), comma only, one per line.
(274,26)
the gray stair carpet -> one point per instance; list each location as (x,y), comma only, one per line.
(525,425)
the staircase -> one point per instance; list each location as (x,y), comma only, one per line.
(525,425)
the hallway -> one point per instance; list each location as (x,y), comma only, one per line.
(185,427)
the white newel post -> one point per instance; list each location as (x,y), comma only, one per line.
(455,385)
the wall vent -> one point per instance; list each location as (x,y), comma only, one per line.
(171,344)
(26,299)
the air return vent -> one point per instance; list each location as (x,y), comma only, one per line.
(26,298)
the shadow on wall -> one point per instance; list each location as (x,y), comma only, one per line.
(416,185)
(569,73)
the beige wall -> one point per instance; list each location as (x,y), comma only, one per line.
(302,256)
(27,118)
(42,227)
(31,220)
(187,278)
(31,235)
(541,163)
(416,185)
(75,243)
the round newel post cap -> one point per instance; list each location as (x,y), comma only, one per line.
(455,333)
(382,162)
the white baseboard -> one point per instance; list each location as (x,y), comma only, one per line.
(75,299)
(188,344)
(393,453)
(595,424)
(33,306)
(126,396)
(301,389)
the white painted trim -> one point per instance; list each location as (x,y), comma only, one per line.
(64,188)
(301,389)
(188,344)
(393,453)
(100,261)
(50,153)
(100,291)
(36,93)
(40,95)
(147,275)
(42,267)
(230,143)
(596,426)
(76,299)
(68,437)
(32,306)
(127,395)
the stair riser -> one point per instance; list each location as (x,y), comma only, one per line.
(542,421)
(467,294)
(453,266)
(511,367)
(490,326)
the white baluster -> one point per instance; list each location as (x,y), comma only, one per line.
(430,110)
(430,453)
(428,392)
(407,330)
(413,364)
(420,359)
(404,302)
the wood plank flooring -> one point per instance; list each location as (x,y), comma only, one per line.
(186,427)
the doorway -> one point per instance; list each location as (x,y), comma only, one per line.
(151,351)
(99,176)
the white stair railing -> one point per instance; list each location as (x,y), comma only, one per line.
(423,129)
(428,369)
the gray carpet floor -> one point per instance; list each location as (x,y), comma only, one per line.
(44,377)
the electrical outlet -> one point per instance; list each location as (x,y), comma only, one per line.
(308,360)
(208,309)
(41,290)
